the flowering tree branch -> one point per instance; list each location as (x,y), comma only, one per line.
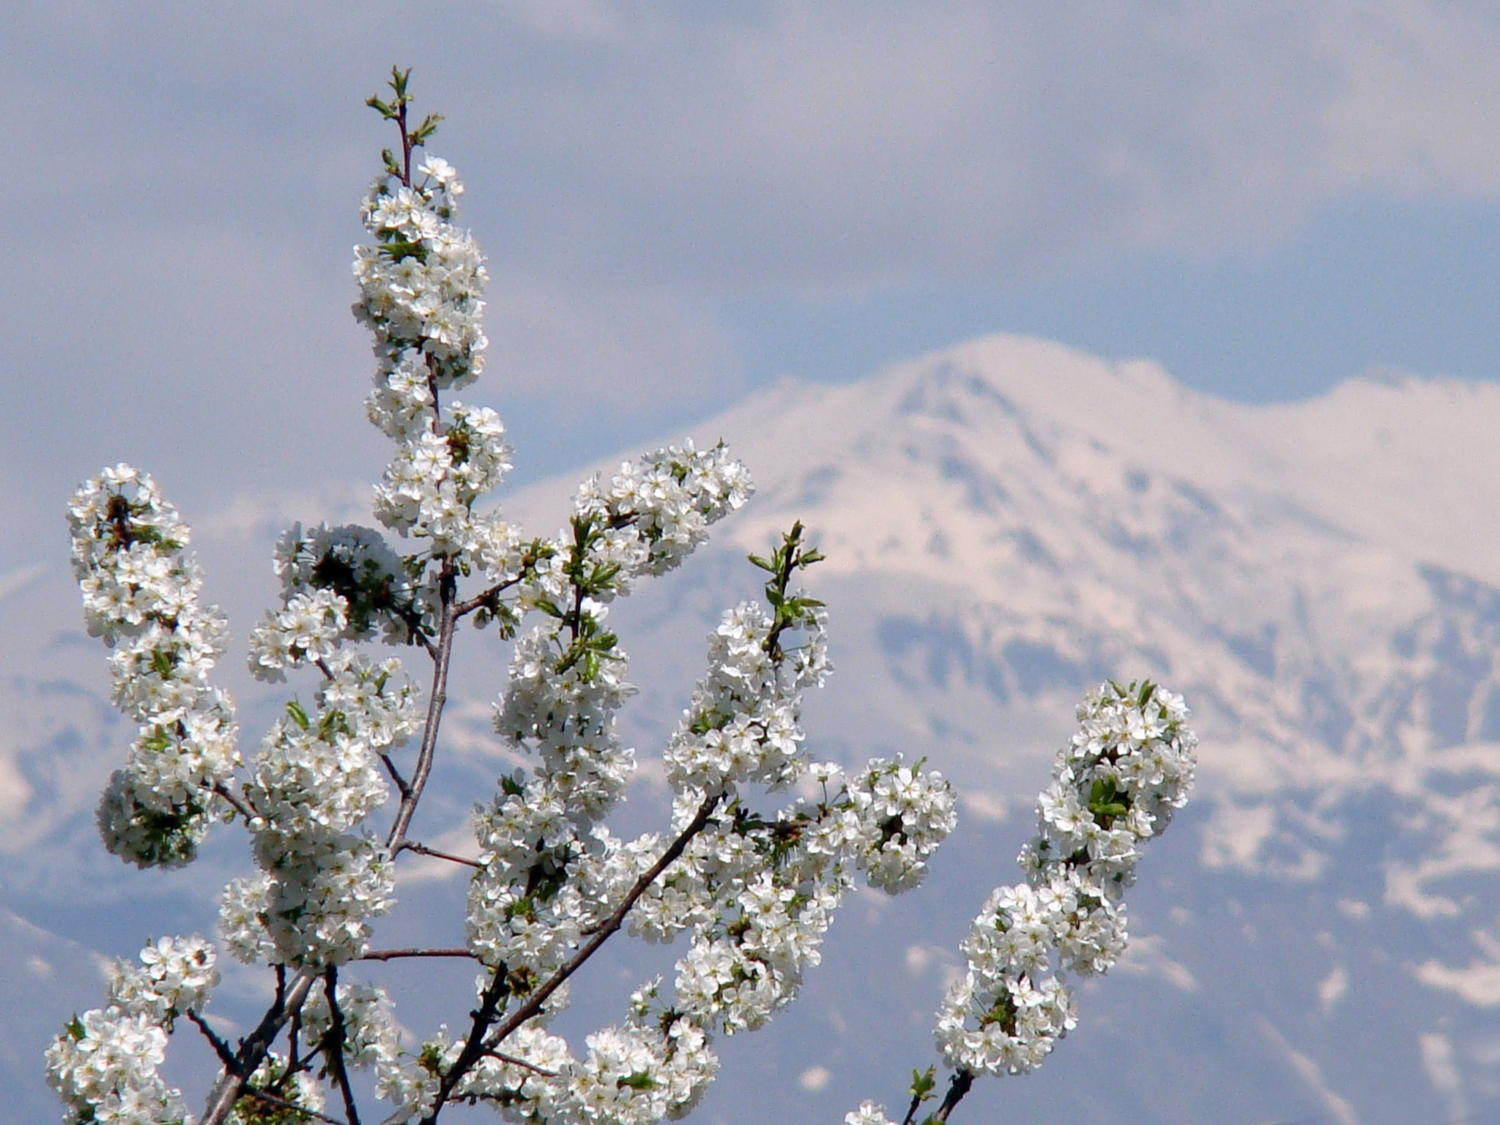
(747,887)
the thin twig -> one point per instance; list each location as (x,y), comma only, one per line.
(294,1061)
(484,597)
(221,1048)
(518,1062)
(479,1042)
(413,622)
(238,804)
(447,589)
(235,1080)
(335,1040)
(958,1086)
(402,786)
(393,954)
(282,1103)
(423,849)
(495,994)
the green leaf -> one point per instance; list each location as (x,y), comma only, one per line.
(1106,802)
(923,1083)
(298,715)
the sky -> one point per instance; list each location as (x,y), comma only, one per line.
(683,201)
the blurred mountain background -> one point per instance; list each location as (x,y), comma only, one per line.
(1007,522)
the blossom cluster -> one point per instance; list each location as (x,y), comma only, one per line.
(1116,785)
(755,892)
(140,594)
(639,1072)
(315,780)
(104,1065)
(549,868)
(741,725)
(762,847)
(420,293)
(758,893)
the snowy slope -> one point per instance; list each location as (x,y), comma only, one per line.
(1006,523)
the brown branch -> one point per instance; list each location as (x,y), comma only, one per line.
(447,589)
(464,608)
(294,1061)
(335,1040)
(221,1048)
(393,954)
(479,1042)
(402,786)
(238,804)
(495,994)
(519,1062)
(423,849)
(958,1086)
(282,1103)
(234,1082)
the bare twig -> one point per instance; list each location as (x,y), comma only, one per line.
(402,786)
(393,954)
(423,849)
(333,1048)
(485,597)
(447,587)
(221,1048)
(282,1103)
(234,1082)
(519,1062)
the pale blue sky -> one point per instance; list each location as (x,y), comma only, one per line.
(682,201)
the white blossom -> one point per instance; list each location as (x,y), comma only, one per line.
(751,887)
(176,975)
(103,1067)
(140,593)
(868,1113)
(1114,786)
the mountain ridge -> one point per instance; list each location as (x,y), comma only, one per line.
(1007,522)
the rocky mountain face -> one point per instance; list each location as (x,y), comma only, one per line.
(1006,524)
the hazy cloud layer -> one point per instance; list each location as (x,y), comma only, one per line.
(186,178)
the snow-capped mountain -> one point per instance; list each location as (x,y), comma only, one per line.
(1007,523)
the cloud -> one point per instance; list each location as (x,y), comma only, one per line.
(625,350)
(187,176)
